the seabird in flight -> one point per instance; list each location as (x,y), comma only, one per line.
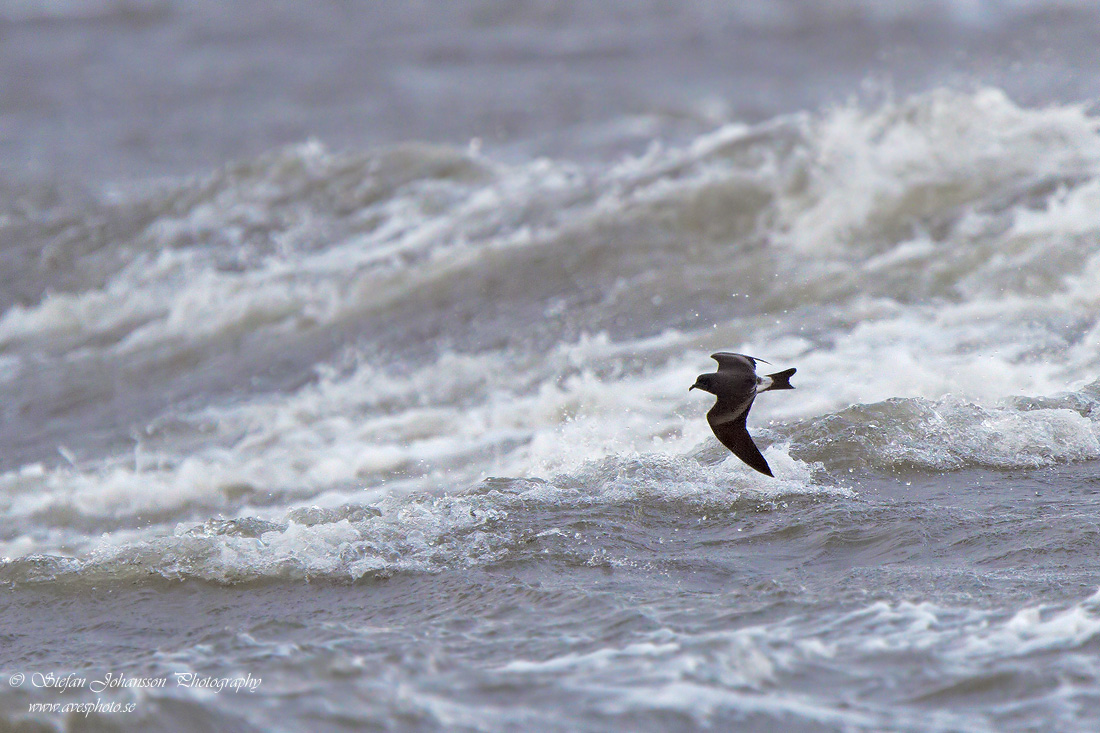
(736,385)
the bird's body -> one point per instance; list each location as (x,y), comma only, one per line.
(736,385)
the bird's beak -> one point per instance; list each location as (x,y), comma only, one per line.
(693,386)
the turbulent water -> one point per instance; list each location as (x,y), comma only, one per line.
(402,432)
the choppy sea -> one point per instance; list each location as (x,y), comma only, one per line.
(345,354)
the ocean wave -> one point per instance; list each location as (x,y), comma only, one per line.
(615,432)
(959,197)
(951,433)
(946,656)
(496,520)
(919,262)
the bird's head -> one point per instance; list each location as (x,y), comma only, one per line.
(704,382)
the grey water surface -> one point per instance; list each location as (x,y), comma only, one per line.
(345,353)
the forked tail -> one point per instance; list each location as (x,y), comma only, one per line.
(781,380)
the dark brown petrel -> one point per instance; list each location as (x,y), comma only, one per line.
(736,385)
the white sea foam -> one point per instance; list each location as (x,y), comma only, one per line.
(346,535)
(590,411)
(238,257)
(923,156)
(694,674)
(756,668)
(947,434)
(1037,629)
(969,639)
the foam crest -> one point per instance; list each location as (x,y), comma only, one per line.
(923,156)
(413,531)
(762,668)
(286,239)
(1038,629)
(945,434)
(746,658)
(906,233)
(698,675)
(972,639)
(594,413)
(447,423)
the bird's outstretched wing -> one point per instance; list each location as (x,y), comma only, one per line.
(728,424)
(739,362)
